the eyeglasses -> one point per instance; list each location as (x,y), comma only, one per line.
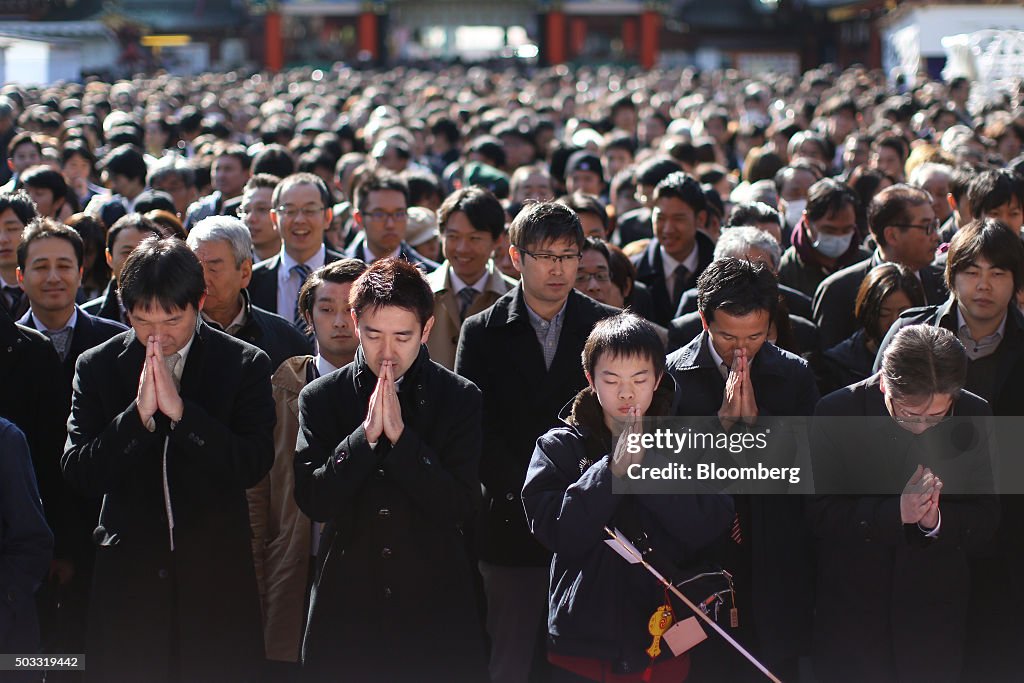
(583,278)
(928,229)
(930,420)
(292,212)
(553,259)
(384,216)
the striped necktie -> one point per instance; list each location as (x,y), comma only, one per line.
(303,271)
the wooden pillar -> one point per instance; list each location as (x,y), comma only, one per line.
(650,25)
(273,43)
(629,38)
(556,37)
(368,39)
(577,36)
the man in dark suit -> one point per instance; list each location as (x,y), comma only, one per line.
(124,172)
(50,272)
(122,237)
(901,503)
(224,246)
(524,354)
(381,211)
(171,421)
(387,455)
(729,372)
(301,210)
(26,545)
(16,211)
(903,223)
(679,252)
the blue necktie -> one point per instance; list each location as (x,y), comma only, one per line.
(303,271)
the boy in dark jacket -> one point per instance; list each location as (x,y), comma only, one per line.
(599,603)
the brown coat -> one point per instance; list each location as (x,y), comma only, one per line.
(280,531)
(444,337)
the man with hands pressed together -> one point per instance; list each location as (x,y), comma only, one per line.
(387,456)
(730,372)
(893,583)
(170,422)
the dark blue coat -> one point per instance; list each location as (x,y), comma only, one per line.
(26,544)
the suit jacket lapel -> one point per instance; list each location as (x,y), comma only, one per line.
(129,364)
(192,375)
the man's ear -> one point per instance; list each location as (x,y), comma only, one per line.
(881,384)
(517,258)
(590,380)
(246,269)
(21,275)
(427,327)
(355,322)
(357,218)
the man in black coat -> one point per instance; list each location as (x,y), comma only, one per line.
(16,211)
(524,354)
(174,596)
(902,501)
(301,211)
(387,456)
(381,206)
(224,246)
(903,223)
(679,252)
(26,546)
(729,372)
(50,271)
(122,237)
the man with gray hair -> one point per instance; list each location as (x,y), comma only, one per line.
(753,244)
(223,246)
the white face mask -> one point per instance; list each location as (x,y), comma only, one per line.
(833,246)
(795,211)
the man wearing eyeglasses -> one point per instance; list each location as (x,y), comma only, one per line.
(301,211)
(903,500)
(381,213)
(523,353)
(903,223)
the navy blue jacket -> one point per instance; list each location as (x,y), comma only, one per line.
(26,544)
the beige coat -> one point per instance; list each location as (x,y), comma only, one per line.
(444,338)
(280,532)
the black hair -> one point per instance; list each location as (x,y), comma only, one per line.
(542,222)
(989,239)
(828,196)
(164,272)
(422,185)
(20,203)
(993,188)
(891,205)
(303,179)
(393,282)
(47,228)
(752,213)
(126,161)
(379,182)
(737,287)
(588,204)
(134,221)
(480,206)
(924,360)
(683,187)
(79,148)
(338,272)
(653,171)
(275,160)
(46,178)
(491,149)
(881,281)
(625,335)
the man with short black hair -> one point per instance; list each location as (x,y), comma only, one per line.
(23,151)
(387,456)
(679,252)
(229,173)
(903,222)
(257,202)
(731,373)
(636,224)
(537,330)
(301,211)
(999,194)
(16,211)
(381,210)
(472,220)
(124,172)
(122,237)
(171,421)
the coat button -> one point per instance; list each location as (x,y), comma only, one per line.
(380,473)
(386,553)
(510,496)
(162,573)
(387,593)
(384,512)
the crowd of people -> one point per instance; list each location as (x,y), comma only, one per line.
(332,375)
